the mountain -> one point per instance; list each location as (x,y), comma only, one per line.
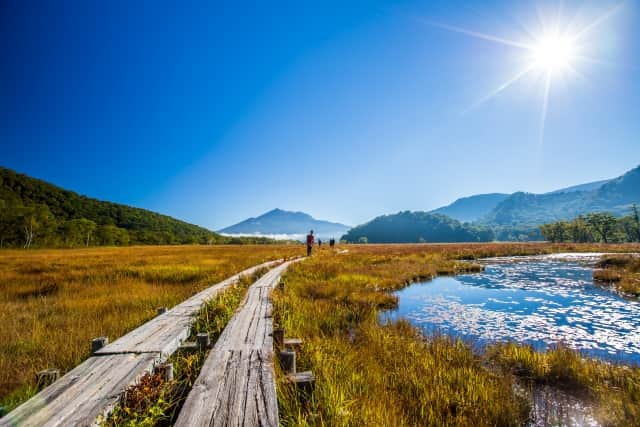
(60,215)
(468,209)
(280,223)
(415,227)
(589,186)
(526,209)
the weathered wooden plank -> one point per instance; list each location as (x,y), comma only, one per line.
(236,386)
(165,333)
(94,387)
(83,394)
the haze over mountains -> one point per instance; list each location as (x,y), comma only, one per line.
(279,223)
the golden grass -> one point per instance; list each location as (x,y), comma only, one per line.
(373,374)
(52,302)
(620,271)
(615,389)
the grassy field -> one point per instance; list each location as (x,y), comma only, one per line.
(52,302)
(372,374)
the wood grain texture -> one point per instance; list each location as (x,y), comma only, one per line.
(83,394)
(164,333)
(236,386)
(92,388)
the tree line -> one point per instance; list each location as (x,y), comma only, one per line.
(35,226)
(595,227)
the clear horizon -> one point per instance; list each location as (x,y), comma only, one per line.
(217,113)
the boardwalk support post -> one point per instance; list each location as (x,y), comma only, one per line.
(98,343)
(165,370)
(188,347)
(302,380)
(288,361)
(204,341)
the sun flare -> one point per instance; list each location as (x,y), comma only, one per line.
(553,53)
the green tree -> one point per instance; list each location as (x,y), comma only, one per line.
(78,232)
(603,225)
(579,231)
(110,235)
(636,221)
(37,222)
(556,232)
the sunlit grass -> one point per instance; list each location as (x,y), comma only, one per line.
(52,302)
(620,271)
(369,373)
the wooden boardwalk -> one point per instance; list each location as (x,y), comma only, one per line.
(94,387)
(236,386)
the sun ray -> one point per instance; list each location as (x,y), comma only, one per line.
(483,36)
(545,104)
(554,52)
(500,88)
(597,21)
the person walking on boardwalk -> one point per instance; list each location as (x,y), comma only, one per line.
(310,240)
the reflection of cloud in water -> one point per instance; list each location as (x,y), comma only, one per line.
(541,302)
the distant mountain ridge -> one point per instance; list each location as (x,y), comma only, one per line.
(529,209)
(279,222)
(500,216)
(472,208)
(589,186)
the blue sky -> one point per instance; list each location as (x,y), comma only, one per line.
(213,112)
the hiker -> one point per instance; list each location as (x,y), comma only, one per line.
(309,242)
(319,242)
(332,242)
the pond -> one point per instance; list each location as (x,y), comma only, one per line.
(540,300)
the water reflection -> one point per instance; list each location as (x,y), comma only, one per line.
(539,301)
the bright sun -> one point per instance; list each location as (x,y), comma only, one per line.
(553,53)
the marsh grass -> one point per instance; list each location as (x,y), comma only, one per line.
(613,389)
(53,302)
(369,373)
(620,271)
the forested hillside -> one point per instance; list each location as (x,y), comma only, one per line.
(525,209)
(415,227)
(34,213)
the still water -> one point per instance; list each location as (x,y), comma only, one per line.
(536,300)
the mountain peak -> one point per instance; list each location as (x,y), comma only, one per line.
(289,224)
